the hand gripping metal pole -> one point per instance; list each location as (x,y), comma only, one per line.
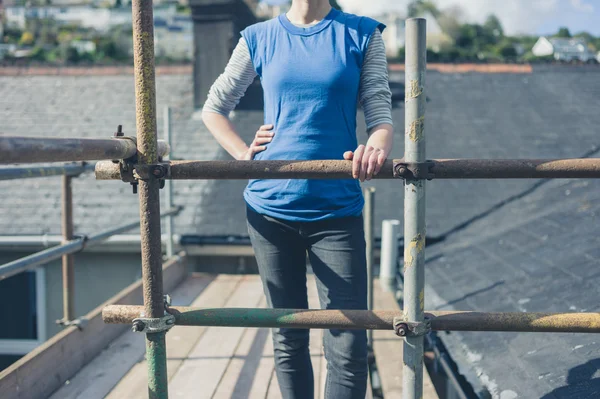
(414,210)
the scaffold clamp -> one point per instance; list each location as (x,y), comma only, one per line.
(414,170)
(405,328)
(150,325)
(153,325)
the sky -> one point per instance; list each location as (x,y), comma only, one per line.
(517,16)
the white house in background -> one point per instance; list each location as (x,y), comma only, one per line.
(101,19)
(393,35)
(563,49)
(84,46)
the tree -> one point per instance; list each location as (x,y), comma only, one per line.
(494,26)
(449,21)
(563,32)
(420,7)
(507,50)
(26,39)
(72,55)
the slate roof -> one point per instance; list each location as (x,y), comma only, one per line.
(509,245)
(75,106)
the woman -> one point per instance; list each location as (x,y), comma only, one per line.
(314,63)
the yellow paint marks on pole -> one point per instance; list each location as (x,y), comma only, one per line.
(415,131)
(413,90)
(416,244)
(422,299)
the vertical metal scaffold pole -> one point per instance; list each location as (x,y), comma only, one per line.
(169,184)
(369,224)
(67,260)
(414,205)
(145,112)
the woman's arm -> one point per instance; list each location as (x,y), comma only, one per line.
(223,96)
(376,100)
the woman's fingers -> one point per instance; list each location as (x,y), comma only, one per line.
(372,164)
(257,149)
(263,136)
(356,161)
(265,128)
(380,162)
(364,166)
(367,162)
(262,140)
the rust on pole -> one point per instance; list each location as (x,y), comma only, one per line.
(336,169)
(68,272)
(363,319)
(147,154)
(45,149)
(516,168)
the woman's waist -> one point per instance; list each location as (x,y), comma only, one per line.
(328,190)
(297,148)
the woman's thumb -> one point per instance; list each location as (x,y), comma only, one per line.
(348,155)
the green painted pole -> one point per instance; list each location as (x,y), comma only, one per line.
(575,322)
(147,147)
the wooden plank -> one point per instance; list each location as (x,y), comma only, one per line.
(265,370)
(323,377)
(316,337)
(233,381)
(98,377)
(388,350)
(48,367)
(249,372)
(200,373)
(180,340)
(274,392)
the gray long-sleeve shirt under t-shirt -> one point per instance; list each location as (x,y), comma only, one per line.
(374,96)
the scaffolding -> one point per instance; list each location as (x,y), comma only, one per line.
(145,168)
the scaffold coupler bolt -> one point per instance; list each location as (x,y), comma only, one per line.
(150,325)
(405,328)
(414,170)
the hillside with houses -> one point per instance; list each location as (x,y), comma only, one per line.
(98,32)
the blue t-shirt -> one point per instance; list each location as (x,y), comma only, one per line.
(310,78)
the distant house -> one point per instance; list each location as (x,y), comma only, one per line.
(101,19)
(7,49)
(563,49)
(84,46)
(393,35)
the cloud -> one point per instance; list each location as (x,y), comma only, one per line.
(517,16)
(579,5)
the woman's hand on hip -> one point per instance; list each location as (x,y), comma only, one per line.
(263,136)
(366,161)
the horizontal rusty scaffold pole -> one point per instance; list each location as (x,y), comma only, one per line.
(336,169)
(364,319)
(45,149)
(26,172)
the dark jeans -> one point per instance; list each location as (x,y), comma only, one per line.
(336,250)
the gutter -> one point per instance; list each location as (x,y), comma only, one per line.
(130,243)
(121,243)
(193,245)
